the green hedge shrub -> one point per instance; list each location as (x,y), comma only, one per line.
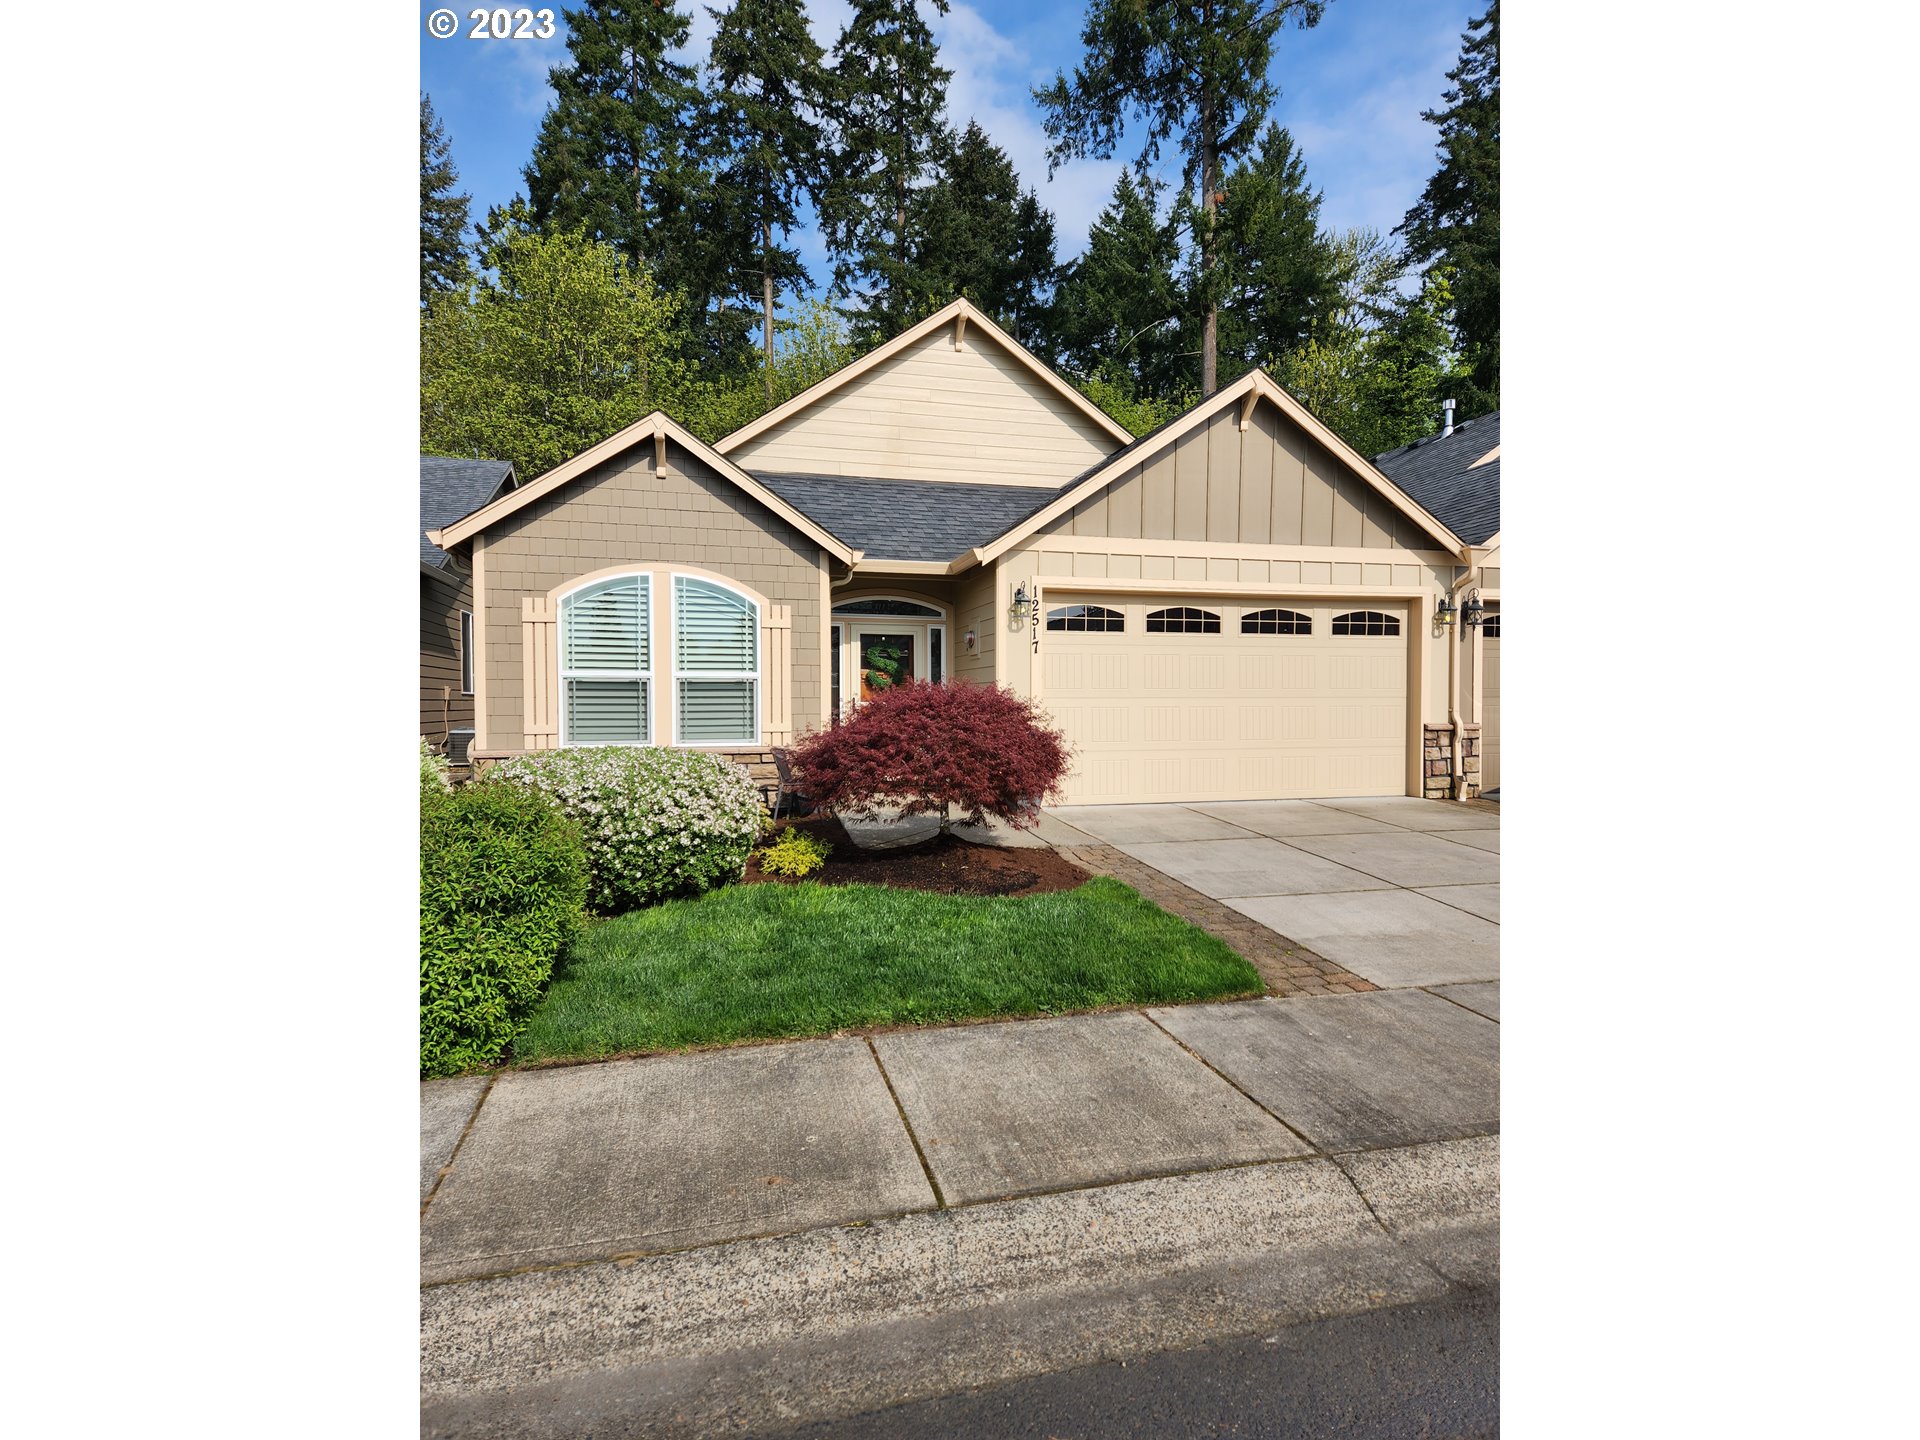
(657,822)
(503,888)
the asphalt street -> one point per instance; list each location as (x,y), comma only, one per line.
(1430,1371)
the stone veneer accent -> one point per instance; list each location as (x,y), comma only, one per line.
(1437,761)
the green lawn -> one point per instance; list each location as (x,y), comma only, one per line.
(760,961)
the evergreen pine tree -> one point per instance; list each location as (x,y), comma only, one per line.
(770,88)
(1456,221)
(1199,70)
(889,90)
(981,237)
(443,213)
(1117,308)
(1280,275)
(623,153)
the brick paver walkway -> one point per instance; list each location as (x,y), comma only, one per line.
(1288,969)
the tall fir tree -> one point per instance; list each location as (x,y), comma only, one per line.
(889,90)
(1117,308)
(443,211)
(770,87)
(1281,278)
(982,237)
(1456,221)
(1192,68)
(623,153)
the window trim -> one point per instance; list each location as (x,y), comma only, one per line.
(466,652)
(1209,621)
(646,676)
(754,677)
(1392,632)
(1299,618)
(1107,612)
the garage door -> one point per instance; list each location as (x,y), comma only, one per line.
(1490,702)
(1184,698)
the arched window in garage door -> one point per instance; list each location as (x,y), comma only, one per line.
(1183,620)
(1275,622)
(1086,617)
(1366,622)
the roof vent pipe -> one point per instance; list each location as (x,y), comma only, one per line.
(1446,418)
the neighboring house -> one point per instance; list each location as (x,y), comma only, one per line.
(448,490)
(1456,476)
(1237,605)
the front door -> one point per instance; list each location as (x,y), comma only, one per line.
(886,659)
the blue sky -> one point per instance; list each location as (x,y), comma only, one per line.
(1351,91)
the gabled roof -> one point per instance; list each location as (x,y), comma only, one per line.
(1248,390)
(452,488)
(1456,476)
(660,428)
(909,519)
(963,312)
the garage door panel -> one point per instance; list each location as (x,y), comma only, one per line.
(1228,715)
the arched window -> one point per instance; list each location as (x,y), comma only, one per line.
(1490,627)
(1275,622)
(1366,622)
(1183,620)
(716,664)
(606,663)
(1086,617)
(887,607)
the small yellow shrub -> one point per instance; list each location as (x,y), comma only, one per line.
(794,853)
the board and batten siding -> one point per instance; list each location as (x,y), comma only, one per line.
(442,706)
(621,513)
(937,413)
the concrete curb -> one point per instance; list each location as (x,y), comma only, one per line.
(832,1322)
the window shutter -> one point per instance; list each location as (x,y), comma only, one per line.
(777,633)
(540,722)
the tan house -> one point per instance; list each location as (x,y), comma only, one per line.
(1237,605)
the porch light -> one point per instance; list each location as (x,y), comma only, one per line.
(1022,602)
(1443,617)
(1473,612)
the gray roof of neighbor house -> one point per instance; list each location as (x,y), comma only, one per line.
(450,489)
(1440,474)
(909,519)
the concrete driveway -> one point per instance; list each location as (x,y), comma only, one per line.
(1402,892)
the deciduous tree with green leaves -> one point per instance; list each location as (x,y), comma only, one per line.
(1456,221)
(443,212)
(770,88)
(559,345)
(1195,69)
(890,89)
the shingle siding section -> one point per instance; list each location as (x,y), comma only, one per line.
(908,519)
(1440,474)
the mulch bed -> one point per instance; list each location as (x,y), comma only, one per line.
(946,865)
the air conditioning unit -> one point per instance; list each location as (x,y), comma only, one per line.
(459,744)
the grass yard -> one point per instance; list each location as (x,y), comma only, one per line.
(764,961)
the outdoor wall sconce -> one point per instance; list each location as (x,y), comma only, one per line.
(1473,612)
(1022,602)
(1443,617)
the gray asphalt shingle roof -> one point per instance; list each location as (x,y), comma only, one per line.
(1436,473)
(450,489)
(909,519)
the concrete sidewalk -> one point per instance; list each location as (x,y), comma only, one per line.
(647,1246)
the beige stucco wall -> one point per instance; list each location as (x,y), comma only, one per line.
(442,706)
(620,513)
(937,413)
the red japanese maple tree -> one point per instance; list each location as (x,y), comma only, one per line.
(962,752)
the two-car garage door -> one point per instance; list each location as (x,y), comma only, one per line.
(1173,697)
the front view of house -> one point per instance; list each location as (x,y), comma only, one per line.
(1236,606)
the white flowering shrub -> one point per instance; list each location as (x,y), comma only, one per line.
(657,822)
(433,771)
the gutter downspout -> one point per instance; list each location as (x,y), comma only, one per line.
(1458,762)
